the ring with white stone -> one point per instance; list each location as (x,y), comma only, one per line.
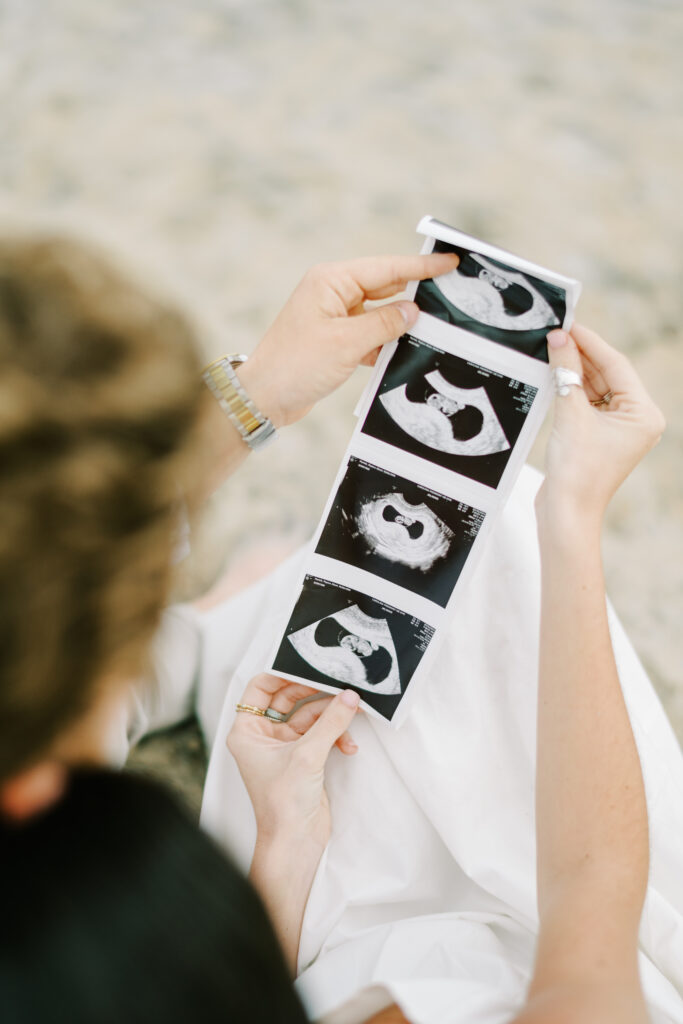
(564,379)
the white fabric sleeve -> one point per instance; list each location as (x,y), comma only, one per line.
(166,695)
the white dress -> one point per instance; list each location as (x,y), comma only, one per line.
(426,893)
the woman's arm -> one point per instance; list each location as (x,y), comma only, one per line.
(322,334)
(282,765)
(592,833)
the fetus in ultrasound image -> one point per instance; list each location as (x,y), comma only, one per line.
(346,639)
(449,410)
(351,647)
(451,419)
(495,301)
(399,530)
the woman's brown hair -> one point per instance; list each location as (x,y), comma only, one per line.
(100,393)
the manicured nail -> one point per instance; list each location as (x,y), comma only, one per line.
(556,339)
(409,311)
(350,698)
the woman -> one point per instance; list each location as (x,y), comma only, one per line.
(113,906)
(90,602)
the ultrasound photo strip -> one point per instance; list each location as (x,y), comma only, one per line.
(444,427)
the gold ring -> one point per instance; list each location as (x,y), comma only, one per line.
(604,400)
(250,709)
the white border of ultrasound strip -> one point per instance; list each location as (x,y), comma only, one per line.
(487,354)
(435,230)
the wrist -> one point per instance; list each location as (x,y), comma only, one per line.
(290,838)
(258,384)
(566,519)
(287,859)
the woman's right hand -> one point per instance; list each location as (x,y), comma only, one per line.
(593,447)
(324,332)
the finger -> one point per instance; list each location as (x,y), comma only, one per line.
(292,694)
(380,273)
(302,720)
(330,727)
(363,334)
(261,690)
(563,352)
(378,277)
(592,372)
(617,374)
(347,745)
(594,382)
(304,716)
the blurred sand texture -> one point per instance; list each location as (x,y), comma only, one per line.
(241,141)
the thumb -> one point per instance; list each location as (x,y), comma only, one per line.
(381,325)
(332,724)
(563,353)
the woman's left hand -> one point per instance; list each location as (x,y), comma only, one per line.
(600,432)
(283,763)
(283,767)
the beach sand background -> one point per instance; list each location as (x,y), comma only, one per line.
(237,143)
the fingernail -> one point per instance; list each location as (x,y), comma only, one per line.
(409,311)
(350,698)
(556,339)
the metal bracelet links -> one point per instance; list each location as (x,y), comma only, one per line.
(220,377)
